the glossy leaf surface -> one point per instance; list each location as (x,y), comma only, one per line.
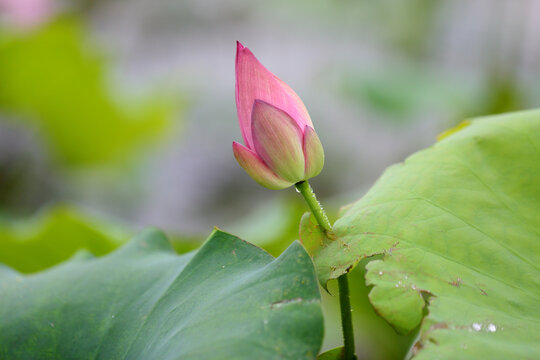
(228,300)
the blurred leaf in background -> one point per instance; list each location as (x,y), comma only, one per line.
(390,92)
(56,233)
(273,225)
(53,236)
(53,77)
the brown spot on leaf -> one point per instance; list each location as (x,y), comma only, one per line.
(456,283)
(393,247)
(483,292)
(442,325)
(417,347)
(280,303)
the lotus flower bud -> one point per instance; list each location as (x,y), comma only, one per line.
(281,147)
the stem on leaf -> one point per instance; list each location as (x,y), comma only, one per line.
(318,212)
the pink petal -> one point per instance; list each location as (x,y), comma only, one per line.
(257,169)
(278,141)
(313,153)
(254,81)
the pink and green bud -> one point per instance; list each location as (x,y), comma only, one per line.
(281,146)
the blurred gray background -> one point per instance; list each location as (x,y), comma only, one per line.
(380,79)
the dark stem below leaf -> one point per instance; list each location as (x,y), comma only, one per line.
(318,212)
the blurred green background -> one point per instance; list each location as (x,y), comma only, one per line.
(116,115)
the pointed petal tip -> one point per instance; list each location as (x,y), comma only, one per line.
(262,105)
(237,147)
(241,50)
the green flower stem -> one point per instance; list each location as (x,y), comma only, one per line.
(314,205)
(346,318)
(345,303)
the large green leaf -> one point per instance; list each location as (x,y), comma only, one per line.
(458,223)
(228,300)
